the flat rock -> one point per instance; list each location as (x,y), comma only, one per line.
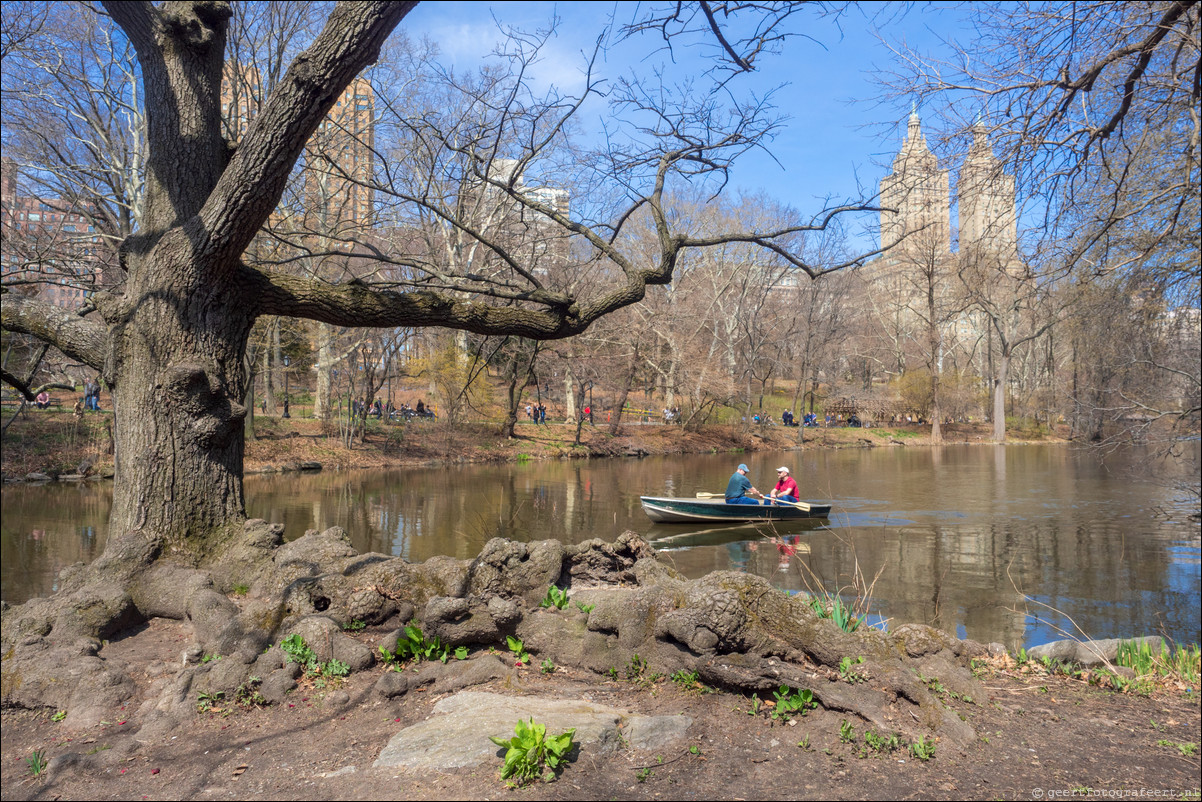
(1091,652)
(457,733)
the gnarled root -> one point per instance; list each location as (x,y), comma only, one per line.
(734,629)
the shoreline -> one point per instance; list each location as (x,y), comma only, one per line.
(53,446)
(1029,724)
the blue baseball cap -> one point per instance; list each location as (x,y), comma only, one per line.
(744,468)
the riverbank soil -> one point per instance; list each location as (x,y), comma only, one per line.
(57,443)
(1039,735)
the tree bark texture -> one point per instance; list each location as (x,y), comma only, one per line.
(177,381)
(323,394)
(177,329)
(1002,368)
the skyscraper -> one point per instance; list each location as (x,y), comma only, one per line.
(988,223)
(915,197)
(339,162)
(917,202)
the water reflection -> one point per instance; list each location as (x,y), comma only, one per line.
(1009,544)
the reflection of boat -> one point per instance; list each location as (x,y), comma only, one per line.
(683,536)
(692,510)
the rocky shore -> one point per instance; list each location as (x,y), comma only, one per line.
(384,679)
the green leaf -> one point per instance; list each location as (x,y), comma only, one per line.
(560,744)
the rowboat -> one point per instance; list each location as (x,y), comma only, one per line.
(692,510)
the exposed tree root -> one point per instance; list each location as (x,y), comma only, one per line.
(734,629)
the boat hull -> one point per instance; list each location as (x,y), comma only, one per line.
(694,510)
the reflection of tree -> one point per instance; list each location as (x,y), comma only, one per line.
(1053,521)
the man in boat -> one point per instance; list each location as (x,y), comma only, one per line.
(739,486)
(786,488)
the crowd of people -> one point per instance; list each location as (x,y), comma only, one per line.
(380,410)
(810,420)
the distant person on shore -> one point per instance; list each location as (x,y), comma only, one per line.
(739,486)
(786,488)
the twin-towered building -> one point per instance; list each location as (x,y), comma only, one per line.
(920,281)
(916,196)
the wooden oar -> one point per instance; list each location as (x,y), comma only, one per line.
(801,505)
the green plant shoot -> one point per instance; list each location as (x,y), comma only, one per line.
(531,755)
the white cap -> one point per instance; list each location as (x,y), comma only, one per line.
(782,468)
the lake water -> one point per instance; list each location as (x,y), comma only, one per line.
(1014,544)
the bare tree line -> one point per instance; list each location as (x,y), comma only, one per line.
(453,211)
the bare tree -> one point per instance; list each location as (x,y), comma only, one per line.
(170,337)
(819,347)
(20,26)
(1094,107)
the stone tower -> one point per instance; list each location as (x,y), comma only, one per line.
(988,223)
(917,197)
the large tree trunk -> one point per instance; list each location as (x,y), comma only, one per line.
(519,377)
(323,394)
(513,397)
(1002,365)
(936,412)
(569,394)
(178,381)
(273,358)
(615,426)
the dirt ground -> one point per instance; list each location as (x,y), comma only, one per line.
(1038,737)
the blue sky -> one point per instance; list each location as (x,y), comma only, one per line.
(839,140)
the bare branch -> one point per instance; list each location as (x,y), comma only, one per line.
(86,340)
(252,185)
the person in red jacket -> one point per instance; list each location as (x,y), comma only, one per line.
(786,488)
